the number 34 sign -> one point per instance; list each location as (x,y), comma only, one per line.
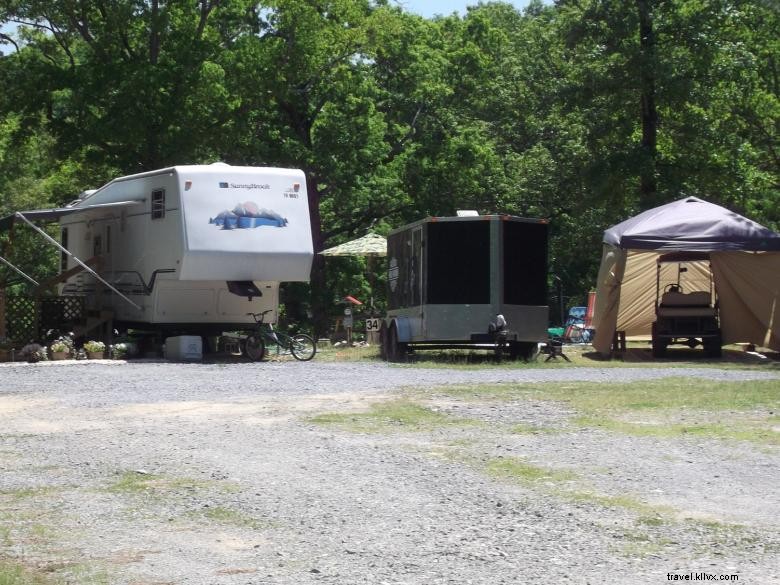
(373,324)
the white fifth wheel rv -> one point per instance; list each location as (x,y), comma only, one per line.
(188,248)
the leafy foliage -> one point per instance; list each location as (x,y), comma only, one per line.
(583,112)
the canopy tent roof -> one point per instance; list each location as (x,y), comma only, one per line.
(691,224)
(742,256)
(368,245)
(58,212)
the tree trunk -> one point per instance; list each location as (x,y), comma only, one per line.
(319,302)
(648,187)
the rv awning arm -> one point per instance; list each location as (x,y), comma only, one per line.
(79,262)
(7,263)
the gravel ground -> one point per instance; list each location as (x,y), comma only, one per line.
(157,473)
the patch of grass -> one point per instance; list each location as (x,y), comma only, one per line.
(231,517)
(524,429)
(84,573)
(654,520)
(132,482)
(640,544)
(348,354)
(601,405)
(669,393)
(12,573)
(398,415)
(26,493)
(524,472)
(746,431)
(625,502)
(712,535)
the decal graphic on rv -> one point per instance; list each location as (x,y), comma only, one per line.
(248,215)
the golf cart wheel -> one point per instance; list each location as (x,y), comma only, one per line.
(302,347)
(712,346)
(659,344)
(254,348)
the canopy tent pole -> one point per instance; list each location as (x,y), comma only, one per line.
(82,264)
(7,263)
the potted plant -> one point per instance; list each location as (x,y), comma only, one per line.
(61,348)
(95,349)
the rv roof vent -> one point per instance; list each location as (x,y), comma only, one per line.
(467,213)
(219,164)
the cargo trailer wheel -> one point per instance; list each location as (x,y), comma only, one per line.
(396,351)
(254,348)
(383,340)
(302,347)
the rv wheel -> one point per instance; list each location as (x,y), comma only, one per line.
(254,348)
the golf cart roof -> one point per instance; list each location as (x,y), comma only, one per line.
(683,257)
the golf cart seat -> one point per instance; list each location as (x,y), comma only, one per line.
(692,304)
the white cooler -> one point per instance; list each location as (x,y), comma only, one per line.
(183,348)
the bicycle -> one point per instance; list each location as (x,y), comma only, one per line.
(300,345)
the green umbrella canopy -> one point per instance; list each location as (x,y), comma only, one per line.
(368,245)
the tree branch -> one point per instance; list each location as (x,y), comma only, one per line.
(351,226)
(8,39)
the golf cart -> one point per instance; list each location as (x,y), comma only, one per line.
(684,315)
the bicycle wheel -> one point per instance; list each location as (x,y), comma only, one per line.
(302,347)
(254,348)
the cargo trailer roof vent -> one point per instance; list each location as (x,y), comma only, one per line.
(467,213)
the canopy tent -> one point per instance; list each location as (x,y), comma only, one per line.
(744,257)
(369,245)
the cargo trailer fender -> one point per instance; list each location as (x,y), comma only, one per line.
(403,326)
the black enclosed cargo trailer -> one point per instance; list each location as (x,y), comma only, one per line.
(449,278)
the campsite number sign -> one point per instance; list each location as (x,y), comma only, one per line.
(373,324)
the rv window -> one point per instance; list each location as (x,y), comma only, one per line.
(63,255)
(158,203)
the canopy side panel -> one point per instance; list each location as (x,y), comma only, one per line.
(748,286)
(613,264)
